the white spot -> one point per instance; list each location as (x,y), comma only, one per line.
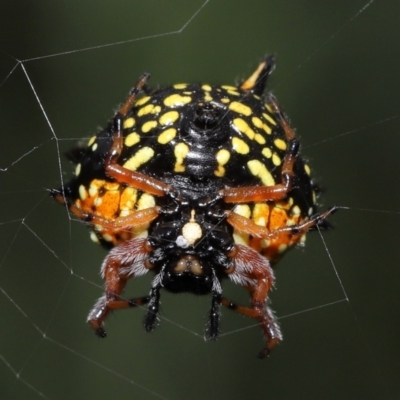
(181,242)
(107,237)
(94,237)
(97,201)
(91,141)
(78,169)
(191,232)
(82,192)
(296,210)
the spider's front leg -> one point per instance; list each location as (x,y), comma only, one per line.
(128,260)
(288,233)
(254,272)
(152,309)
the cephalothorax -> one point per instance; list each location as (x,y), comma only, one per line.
(196,183)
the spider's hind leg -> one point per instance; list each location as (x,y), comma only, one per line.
(122,263)
(150,319)
(254,272)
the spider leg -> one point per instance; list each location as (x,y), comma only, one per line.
(104,225)
(254,273)
(215,316)
(152,310)
(212,330)
(246,225)
(122,263)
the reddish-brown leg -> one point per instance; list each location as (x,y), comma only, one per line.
(246,225)
(254,272)
(118,224)
(122,263)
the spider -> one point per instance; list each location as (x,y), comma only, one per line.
(196,183)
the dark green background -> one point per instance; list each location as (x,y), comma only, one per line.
(338,79)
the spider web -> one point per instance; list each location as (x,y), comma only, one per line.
(64,67)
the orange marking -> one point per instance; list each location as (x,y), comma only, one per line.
(250,82)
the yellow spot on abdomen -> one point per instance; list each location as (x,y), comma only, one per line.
(94,238)
(240,108)
(132,139)
(228,87)
(259,139)
(240,238)
(269,108)
(261,214)
(257,122)
(206,88)
(181,150)
(139,158)
(78,169)
(128,123)
(269,118)
(91,141)
(168,118)
(258,169)
(128,199)
(176,100)
(107,237)
(111,186)
(296,210)
(167,136)
(223,157)
(280,144)
(276,159)
(243,210)
(180,86)
(240,146)
(207,97)
(243,127)
(146,201)
(82,192)
(146,110)
(142,101)
(148,126)
(266,152)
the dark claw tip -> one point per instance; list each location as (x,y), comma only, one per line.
(263,353)
(100,332)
